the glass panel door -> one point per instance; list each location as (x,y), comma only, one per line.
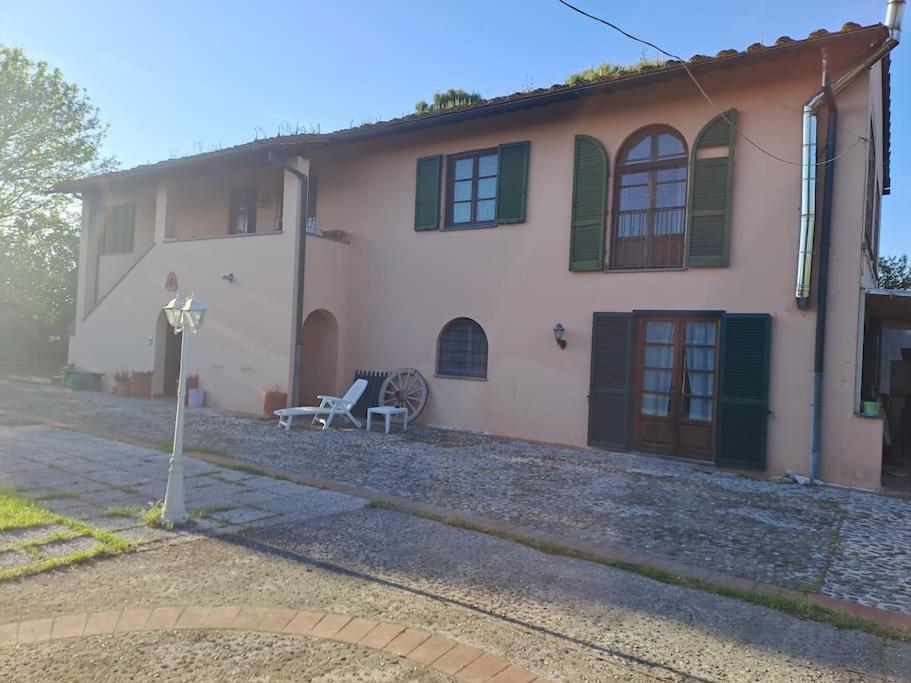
(698,371)
(676,379)
(658,368)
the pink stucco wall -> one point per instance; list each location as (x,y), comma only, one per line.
(514,280)
(391,290)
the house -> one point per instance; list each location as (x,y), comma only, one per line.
(679,243)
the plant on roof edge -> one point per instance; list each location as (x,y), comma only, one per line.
(611,70)
(454,97)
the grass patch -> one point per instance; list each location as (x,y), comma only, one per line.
(204,513)
(18,512)
(124,511)
(151,515)
(796,607)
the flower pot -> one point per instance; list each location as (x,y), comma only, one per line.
(142,385)
(122,388)
(196,398)
(272,401)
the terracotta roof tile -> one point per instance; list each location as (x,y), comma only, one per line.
(483,107)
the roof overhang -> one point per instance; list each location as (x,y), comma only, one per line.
(672,70)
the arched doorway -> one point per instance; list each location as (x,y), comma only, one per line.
(167,358)
(319,356)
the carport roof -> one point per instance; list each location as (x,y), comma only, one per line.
(889,305)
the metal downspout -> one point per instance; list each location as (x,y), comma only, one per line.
(822,296)
(294,389)
(894,11)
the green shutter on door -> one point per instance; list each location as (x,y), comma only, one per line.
(608,400)
(743,390)
(590,172)
(711,184)
(512,182)
(427,193)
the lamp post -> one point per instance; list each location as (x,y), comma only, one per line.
(183,314)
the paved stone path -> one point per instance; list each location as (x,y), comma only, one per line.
(565,619)
(463,662)
(843,544)
(107,485)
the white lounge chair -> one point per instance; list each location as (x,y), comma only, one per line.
(329,407)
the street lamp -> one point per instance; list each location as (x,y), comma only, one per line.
(183,314)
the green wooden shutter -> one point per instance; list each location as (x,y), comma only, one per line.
(590,172)
(427,193)
(608,400)
(512,182)
(711,184)
(743,390)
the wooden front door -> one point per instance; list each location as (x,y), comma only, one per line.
(675,380)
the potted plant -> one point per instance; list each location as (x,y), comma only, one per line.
(141,384)
(196,397)
(122,383)
(273,399)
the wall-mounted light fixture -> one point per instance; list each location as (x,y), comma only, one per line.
(559,333)
(228,277)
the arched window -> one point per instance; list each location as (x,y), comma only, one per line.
(650,201)
(462,350)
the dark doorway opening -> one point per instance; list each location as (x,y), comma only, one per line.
(171,362)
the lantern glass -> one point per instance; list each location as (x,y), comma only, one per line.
(194,311)
(172,311)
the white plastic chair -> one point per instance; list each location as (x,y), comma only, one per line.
(329,406)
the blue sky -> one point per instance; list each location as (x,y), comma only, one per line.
(176,77)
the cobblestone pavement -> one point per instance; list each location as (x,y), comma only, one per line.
(844,544)
(565,619)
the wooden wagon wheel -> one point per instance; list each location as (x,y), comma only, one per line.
(405,388)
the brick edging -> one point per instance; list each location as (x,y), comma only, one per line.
(464,662)
(599,551)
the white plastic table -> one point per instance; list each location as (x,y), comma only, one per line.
(387,412)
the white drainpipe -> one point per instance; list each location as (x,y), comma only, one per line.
(894,11)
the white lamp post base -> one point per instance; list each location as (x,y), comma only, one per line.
(174,511)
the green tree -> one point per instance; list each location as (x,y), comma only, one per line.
(448,100)
(610,70)
(894,272)
(50,132)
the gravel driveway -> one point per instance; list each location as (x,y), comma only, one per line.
(844,544)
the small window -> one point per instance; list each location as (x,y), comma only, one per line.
(243,211)
(472,189)
(462,350)
(118,229)
(650,201)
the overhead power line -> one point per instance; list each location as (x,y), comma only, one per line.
(686,68)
